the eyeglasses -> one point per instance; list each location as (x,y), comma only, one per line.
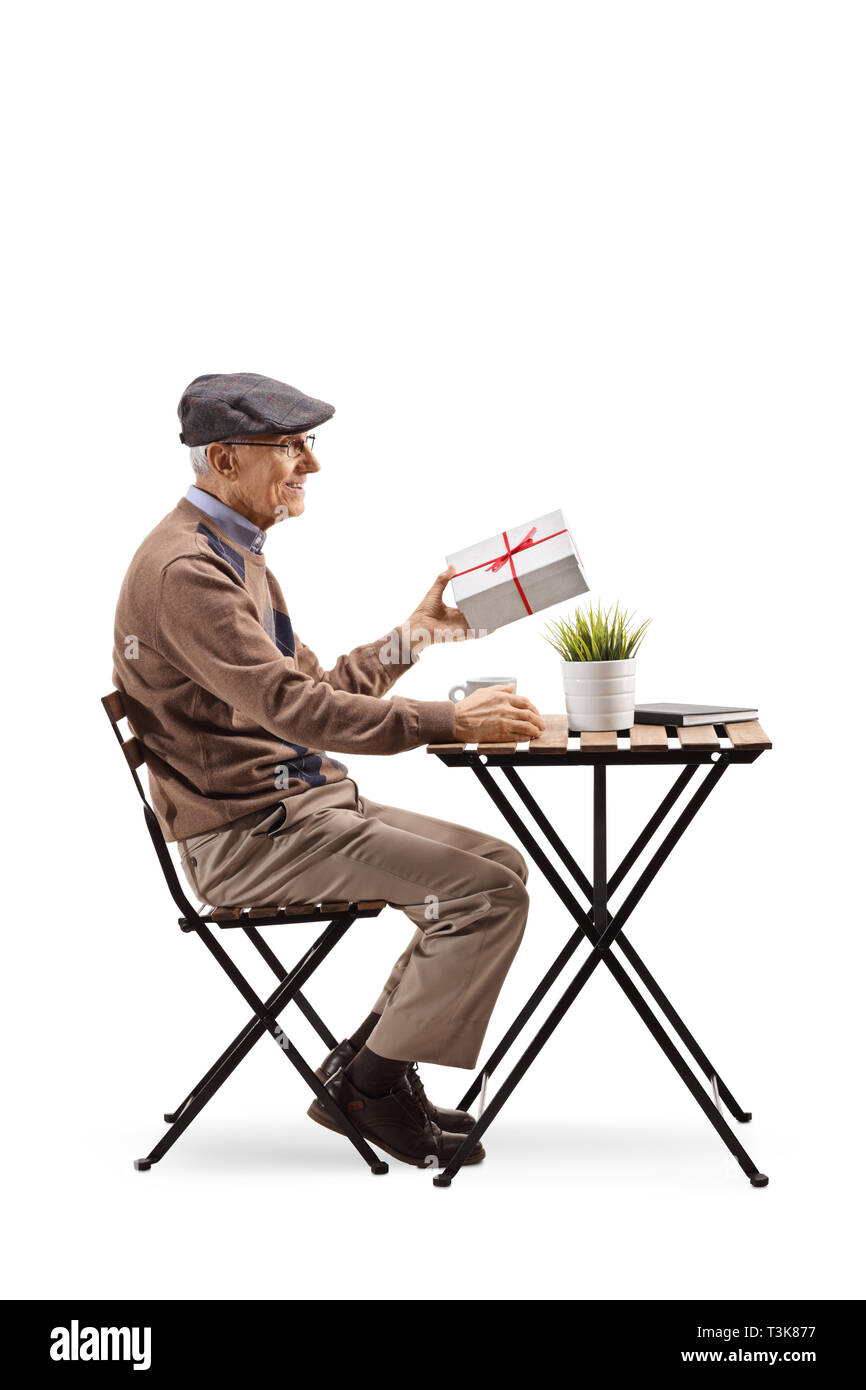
(294,448)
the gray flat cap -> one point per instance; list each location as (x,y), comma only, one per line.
(220,406)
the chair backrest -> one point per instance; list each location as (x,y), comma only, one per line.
(133,751)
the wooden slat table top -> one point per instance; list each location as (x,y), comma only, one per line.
(648,736)
(746,735)
(602,739)
(698,736)
(555,736)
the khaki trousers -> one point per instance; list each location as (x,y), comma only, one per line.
(463,890)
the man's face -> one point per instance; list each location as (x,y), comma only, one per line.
(266,484)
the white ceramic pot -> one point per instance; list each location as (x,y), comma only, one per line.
(599,695)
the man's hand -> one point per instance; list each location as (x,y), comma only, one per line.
(496,715)
(433,616)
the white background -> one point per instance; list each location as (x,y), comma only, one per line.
(604,257)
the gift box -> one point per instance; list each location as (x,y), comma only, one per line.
(521,570)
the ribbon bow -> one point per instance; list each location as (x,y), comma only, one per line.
(512,549)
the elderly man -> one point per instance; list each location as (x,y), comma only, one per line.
(235,713)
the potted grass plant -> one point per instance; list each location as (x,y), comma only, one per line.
(598,648)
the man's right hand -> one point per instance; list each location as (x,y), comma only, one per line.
(495,714)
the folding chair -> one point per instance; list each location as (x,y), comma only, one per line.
(338,917)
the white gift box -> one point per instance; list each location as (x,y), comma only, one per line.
(516,572)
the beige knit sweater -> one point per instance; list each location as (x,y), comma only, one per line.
(232,708)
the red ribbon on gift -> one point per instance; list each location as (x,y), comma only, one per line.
(492,566)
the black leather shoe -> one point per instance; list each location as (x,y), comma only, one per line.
(452,1121)
(399,1123)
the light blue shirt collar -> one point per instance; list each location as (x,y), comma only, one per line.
(238,527)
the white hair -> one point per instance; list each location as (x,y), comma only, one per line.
(198,459)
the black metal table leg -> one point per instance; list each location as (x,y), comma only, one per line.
(599,845)
(716,1119)
(603,937)
(529,1008)
(622,941)
(694,1047)
(552,1021)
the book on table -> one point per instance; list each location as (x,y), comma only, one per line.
(683,716)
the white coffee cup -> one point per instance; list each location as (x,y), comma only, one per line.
(469,687)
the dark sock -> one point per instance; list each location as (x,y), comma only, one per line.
(360,1037)
(374,1075)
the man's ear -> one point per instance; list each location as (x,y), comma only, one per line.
(222,460)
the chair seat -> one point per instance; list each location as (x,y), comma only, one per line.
(273,913)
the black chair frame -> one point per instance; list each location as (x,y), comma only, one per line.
(337,919)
